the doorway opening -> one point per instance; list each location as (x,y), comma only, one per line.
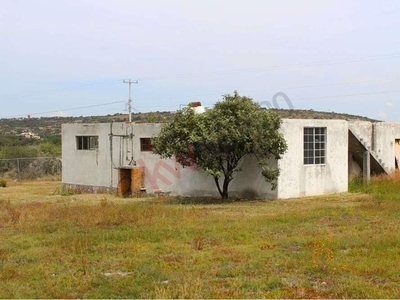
(124,182)
(130,182)
(396,153)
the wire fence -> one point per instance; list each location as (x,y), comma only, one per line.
(30,168)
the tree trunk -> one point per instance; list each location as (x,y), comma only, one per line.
(225,188)
(217,184)
(224,191)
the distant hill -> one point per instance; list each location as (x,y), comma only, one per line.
(51,126)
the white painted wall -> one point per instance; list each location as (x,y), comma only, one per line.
(363,130)
(384,133)
(297,179)
(86,167)
(100,168)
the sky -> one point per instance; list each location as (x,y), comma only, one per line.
(70,57)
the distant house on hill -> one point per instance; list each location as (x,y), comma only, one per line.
(29,135)
(321,155)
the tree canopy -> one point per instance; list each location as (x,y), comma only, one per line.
(218,139)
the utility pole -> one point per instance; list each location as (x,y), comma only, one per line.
(130,97)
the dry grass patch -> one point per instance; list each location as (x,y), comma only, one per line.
(100,246)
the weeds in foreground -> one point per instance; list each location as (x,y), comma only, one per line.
(100,246)
(322,255)
(382,187)
(12,215)
(198,243)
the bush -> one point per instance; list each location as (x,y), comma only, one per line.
(3,183)
(49,149)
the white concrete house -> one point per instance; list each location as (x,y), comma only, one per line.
(321,155)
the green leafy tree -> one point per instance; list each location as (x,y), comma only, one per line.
(50,149)
(218,140)
(10,152)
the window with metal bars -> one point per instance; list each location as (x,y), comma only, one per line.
(314,145)
(145,144)
(87,142)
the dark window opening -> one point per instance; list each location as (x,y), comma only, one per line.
(314,145)
(87,142)
(145,144)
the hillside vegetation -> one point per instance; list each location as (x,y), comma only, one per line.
(51,126)
(47,127)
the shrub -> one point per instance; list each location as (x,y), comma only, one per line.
(3,183)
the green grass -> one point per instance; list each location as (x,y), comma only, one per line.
(100,246)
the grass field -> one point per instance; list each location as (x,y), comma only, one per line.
(101,246)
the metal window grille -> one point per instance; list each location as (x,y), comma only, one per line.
(314,146)
(87,142)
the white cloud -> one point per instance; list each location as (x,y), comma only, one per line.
(382,115)
(390,105)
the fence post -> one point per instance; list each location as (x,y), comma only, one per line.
(58,166)
(18,171)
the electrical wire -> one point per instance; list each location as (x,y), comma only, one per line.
(61,90)
(347,95)
(274,89)
(214,94)
(67,109)
(277,67)
(220,72)
(313,98)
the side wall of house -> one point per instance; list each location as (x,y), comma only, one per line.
(86,167)
(381,138)
(169,176)
(297,179)
(386,134)
(119,147)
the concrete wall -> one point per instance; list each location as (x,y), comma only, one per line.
(297,179)
(363,129)
(86,167)
(119,146)
(380,136)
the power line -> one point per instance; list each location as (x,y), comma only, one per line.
(316,98)
(321,63)
(334,84)
(278,67)
(220,72)
(301,98)
(347,95)
(67,109)
(251,91)
(60,90)
(277,89)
